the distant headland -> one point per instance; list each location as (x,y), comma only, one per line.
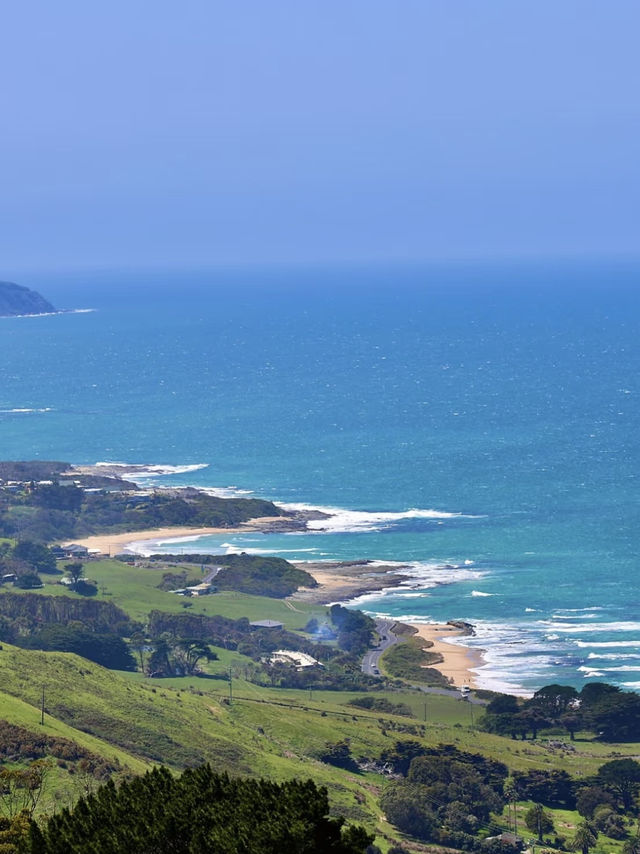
(16,300)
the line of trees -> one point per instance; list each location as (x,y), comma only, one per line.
(601,708)
(199,811)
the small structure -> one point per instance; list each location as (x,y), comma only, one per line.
(299,660)
(74,550)
(266,624)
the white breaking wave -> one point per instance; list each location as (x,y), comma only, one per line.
(622,626)
(480,593)
(135,471)
(576,610)
(422,576)
(623,668)
(607,644)
(225,491)
(337,520)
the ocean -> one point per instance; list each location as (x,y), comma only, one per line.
(480,423)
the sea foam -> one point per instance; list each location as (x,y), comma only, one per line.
(337,520)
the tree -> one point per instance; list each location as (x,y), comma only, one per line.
(632,846)
(201,811)
(622,777)
(591,797)
(405,806)
(616,716)
(554,700)
(339,754)
(584,838)
(538,821)
(74,572)
(38,556)
(138,643)
(28,580)
(187,654)
(572,723)
(21,788)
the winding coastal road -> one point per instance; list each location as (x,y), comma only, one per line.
(371,659)
(387,639)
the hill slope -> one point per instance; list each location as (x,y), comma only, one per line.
(16,300)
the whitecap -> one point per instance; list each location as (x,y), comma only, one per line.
(337,520)
(135,471)
(605,644)
(480,593)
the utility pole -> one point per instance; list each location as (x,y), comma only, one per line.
(230,686)
(425,712)
(42,709)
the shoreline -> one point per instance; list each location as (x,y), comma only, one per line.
(111,544)
(459,662)
(338,582)
(342,582)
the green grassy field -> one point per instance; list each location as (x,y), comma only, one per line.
(135,590)
(262,731)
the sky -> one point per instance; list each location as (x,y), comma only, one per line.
(293,131)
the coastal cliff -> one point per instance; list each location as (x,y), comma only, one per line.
(16,300)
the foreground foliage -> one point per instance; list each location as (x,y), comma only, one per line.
(201,811)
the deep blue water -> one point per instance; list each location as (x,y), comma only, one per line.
(506,399)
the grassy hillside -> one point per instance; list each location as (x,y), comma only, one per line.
(275,733)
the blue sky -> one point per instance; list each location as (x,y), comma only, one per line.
(259,131)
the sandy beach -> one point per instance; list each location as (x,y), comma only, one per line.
(112,544)
(338,582)
(458,661)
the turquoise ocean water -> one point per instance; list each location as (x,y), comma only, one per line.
(487,419)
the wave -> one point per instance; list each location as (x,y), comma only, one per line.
(623,626)
(576,610)
(225,491)
(50,313)
(25,410)
(531,610)
(136,471)
(337,520)
(480,593)
(623,668)
(422,576)
(635,644)
(590,673)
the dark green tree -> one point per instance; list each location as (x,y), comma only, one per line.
(584,838)
(622,777)
(538,821)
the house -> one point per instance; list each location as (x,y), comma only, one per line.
(299,660)
(76,551)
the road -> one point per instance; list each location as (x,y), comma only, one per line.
(370,662)
(387,639)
